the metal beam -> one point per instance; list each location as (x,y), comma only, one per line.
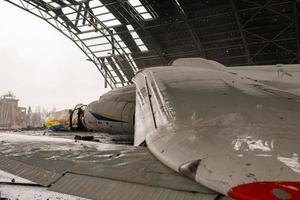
(273,40)
(127,38)
(261,7)
(295,9)
(113,65)
(56,17)
(190,28)
(123,11)
(107,33)
(267,7)
(270,41)
(241,30)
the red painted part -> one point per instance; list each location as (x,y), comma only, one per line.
(266,191)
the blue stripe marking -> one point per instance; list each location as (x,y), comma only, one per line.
(102,118)
(57,127)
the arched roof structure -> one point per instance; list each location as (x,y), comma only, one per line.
(122,36)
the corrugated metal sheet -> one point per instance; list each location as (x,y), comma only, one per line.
(108,189)
(35,174)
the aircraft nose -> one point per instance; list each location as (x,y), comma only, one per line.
(266,191)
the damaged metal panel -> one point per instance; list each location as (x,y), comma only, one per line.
(108,189)
(133,168)
(139,167)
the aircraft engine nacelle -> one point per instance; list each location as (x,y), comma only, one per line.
(113,112)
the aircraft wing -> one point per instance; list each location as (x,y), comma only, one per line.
(230,133)
(95,170)
(282,77)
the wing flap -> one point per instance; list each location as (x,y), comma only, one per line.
(35,174)
(109,189)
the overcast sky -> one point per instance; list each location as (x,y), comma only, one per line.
(41,66)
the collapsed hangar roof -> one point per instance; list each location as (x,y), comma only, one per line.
(122,36)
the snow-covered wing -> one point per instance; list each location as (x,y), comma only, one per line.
(282,77)
(230,133)
(94,170)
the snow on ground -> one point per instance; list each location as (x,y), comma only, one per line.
(32,193)
(7,177)
(26,192)
(102,137)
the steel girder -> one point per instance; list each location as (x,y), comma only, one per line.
(77,20)
(247,32)
(232,32)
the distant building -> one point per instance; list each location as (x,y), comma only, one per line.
(11,115)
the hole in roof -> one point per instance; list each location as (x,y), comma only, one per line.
(140,8)
(55,5)
(99,45)
(137,39)
(179,6)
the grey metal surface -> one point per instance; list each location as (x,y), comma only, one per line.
(17,192)
(118,162)
(108,189)
(54,153)
(35,174)
(13,187)
(141,167)
(87,166)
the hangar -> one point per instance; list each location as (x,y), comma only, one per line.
(202,129)
(122,36)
